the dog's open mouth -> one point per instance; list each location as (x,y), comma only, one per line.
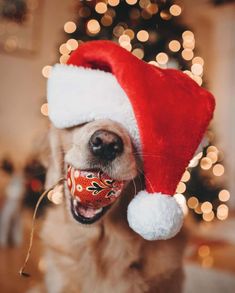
(92,193)
(86,215)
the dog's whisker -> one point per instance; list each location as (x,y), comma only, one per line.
(146,178)
(134,186)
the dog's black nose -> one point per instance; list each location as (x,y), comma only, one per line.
(106,145)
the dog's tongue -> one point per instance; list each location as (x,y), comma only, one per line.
(92,189)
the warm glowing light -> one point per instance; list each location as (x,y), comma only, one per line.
(153,63)
(130,33)
(205,163)
(70,27)
(197,69)
(208,217)
(189,73)
(198,60)
(224,195)
(106,20)
(165,15)
(72,44)
(175,10)
(152,8)
(181,187)
(187,54)
(139,53)
(113,2)
(185,177)
(118,31)
(198,79)
(198,210)
(203,251)
(101,7)
(218,170)
(46,71)
(188,35)
(206,207)
(93,26)
(126,45)
(143,36)
(64,58)
(124,38)
(207,262)
(212,148)
(131,2)
(192,202)
(180,198)
(189,43)
(174,46)
(162,58)
(64,49)
(44,109)
(55,196)
(213,156)
(222,212)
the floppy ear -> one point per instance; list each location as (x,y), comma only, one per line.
(55,164)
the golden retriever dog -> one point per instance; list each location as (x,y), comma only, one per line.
(101,253)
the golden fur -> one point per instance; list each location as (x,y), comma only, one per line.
(106,256)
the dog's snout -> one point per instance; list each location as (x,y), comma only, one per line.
(106,145)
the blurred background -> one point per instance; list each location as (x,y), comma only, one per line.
(196,37)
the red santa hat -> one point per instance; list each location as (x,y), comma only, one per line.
(165,112)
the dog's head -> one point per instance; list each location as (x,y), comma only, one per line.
(100,145)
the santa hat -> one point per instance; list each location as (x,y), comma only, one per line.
(165,112)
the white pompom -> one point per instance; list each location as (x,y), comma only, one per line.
(154,216)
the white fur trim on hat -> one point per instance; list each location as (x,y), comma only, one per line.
(77,95)
(154,216)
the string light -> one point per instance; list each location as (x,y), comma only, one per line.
(218,170)
(143,36)
(131,2)
(44,109)
(46,71)
(113,2)
(70,27)
(206,207)
(101,7)
(174,46)
(192,202)
(197,69)
(175,10)
(224,195)
(222,212)
(64,58)
(162,58)
(198,60)
(185,177)
(139,53)
(72,44)
(187,54)
(205,163)
(93,26)
(181,187)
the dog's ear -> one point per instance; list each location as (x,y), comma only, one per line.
(55,164)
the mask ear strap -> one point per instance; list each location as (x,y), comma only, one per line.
(21,271)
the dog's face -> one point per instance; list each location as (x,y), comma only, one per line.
(99,145)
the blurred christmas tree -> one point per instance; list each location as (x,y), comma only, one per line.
(152,31)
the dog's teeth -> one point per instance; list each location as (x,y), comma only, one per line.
(99,210)
(75,203)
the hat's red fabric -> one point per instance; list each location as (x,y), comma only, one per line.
(172,111)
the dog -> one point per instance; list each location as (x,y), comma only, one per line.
(105,256)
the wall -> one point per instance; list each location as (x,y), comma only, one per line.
(23,89)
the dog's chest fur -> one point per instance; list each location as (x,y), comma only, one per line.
(107,257)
